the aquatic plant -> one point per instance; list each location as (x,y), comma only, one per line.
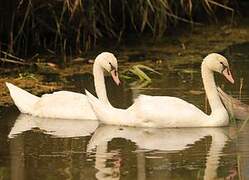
(139,71)
(75,26)
(27,75)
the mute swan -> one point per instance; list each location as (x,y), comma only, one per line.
(66,104)
(165,111)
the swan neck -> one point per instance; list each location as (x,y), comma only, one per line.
(211,89)
(99,82)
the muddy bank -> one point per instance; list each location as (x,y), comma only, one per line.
(184,49)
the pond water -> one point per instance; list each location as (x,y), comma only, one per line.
(34,148)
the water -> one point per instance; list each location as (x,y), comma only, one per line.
(74,149)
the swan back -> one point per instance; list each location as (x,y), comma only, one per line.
(64,104)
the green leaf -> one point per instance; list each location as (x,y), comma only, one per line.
(147,68)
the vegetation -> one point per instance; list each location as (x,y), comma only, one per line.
(74,26)
(138,70)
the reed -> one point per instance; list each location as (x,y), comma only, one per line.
(75,26)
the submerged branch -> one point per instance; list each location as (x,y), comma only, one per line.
(12,56)
(13,61)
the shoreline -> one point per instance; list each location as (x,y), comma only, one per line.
(186,48)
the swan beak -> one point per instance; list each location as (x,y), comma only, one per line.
(227,73)
(115,78)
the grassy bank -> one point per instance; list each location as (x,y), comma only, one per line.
(70,27)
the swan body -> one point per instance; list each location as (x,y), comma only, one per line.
(66,104)
(164,111)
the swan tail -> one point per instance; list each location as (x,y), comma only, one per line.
(22,99)
(107,114)
(100,108)
(103,111)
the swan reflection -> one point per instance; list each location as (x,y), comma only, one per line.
(57,127)
(112,150)
(165,140)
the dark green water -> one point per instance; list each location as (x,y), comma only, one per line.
(74,149)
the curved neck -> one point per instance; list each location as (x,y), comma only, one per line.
(211,89)
(99,82)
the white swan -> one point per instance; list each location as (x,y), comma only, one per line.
(66,104)
(164,111)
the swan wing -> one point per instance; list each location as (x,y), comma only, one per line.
(64,104)
(110,115)
(165,111)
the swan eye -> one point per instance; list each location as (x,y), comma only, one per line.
(112,67)
(223,67)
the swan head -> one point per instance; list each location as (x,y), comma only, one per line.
(109,62)
(218,63)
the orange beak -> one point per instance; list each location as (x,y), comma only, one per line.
(115,78)
(227,73)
